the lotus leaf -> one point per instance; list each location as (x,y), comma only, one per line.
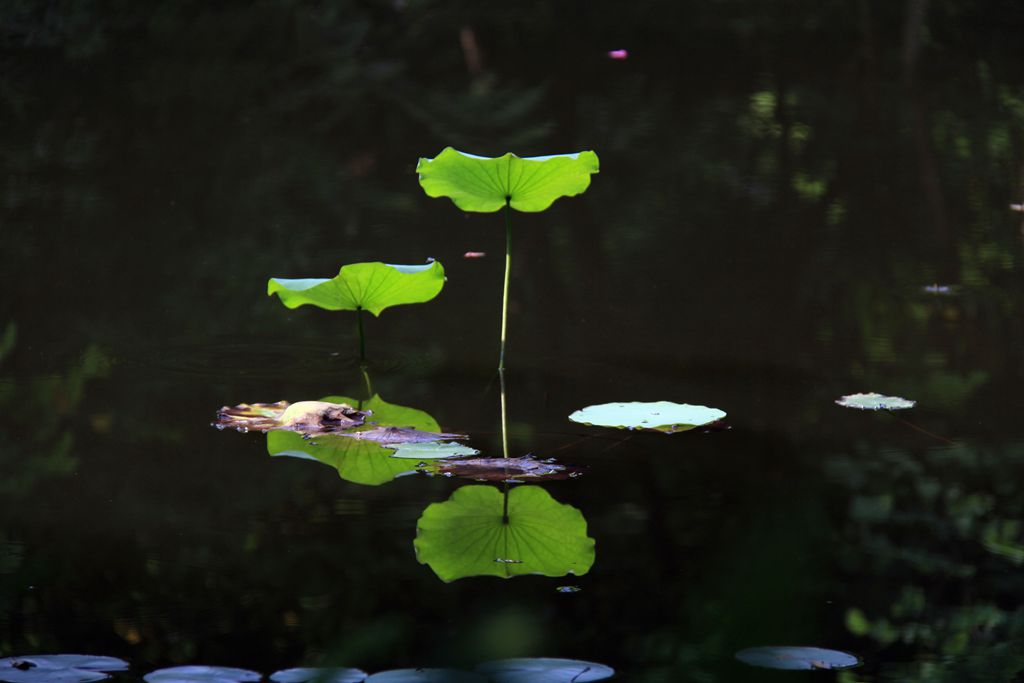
(794,658)
(425,676)
(486,184)
(319,675)
(660,416)
(58,668)
(470,534)
(361,461)
(369,286)
(202,674)
(545,670)
(873,401)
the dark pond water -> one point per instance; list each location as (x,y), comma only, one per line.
(779,184)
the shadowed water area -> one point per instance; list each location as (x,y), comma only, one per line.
(796,201)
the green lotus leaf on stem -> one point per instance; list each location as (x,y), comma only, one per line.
(474,534)
(485,184)
(360,461)
(369,286)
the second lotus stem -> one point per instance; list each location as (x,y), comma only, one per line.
(508,268)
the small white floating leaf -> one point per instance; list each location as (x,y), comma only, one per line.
(202,674)
(873,401)
(433,449)
(796,658)
(660,416)
(58,668)
(319,675)
(545,670)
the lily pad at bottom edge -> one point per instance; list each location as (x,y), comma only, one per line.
(58,668)
(658,416)
(545,670)
(426,676)
(873,401)
(202,674)
(797,658)
(319,675)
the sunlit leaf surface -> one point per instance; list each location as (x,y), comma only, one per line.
(370,286)
(202,674)
(544,670)
(58,668)
(319,675)
(504,469)
(873,401)
(806,658)
(660,416)
(469,535)
(483,184)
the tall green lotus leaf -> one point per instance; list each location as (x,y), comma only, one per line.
(370,286)
(469,535)
(357,460)
(484,184)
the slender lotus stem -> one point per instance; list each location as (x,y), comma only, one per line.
(508,268)
(362,339)
(504,420)
(504,513)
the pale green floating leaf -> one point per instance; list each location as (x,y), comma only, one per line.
(433,450)
(370,286)
(484,184)
(468,535)
(873,401)
(796,658)
(660,416)
(544,670)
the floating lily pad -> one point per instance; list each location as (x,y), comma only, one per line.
(319,675)
(58,668)
(202,674)
(370,286)
(873,401)
(425,676)
(504,469)
(660,416)
(806,658)
(470,535)
(359,460)
(545,670)
(433,450)
(484,184)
